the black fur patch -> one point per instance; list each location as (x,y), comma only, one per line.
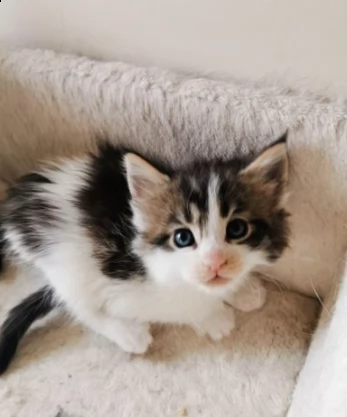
(278,235)
(18,321)
(2,248)
(122,265)
(105,204)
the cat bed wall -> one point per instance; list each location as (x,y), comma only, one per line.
(53,105)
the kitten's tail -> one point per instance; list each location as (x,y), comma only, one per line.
(2,249)
(18,321)
(3,192)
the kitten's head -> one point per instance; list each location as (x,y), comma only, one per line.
(211,223)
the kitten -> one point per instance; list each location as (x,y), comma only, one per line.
(124,243)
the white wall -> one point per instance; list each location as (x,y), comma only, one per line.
(240,37)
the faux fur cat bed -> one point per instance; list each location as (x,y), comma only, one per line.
(52,105)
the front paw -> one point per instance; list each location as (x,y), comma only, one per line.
(136,339)
(219,325)
(251,296)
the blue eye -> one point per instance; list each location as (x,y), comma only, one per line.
(237,229)
(183,238)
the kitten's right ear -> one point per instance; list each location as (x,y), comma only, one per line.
(143,178)
(271,165)
(267,175)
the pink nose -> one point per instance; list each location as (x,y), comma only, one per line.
(215,262)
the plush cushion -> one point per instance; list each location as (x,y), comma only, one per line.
(53,105)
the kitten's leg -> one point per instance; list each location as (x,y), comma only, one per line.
(251,296)
(321,389)
(218,325)
(129,335)
(85,293)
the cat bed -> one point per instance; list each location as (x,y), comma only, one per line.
(53,105)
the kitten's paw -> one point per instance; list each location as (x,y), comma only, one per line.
(251,296)
(219,325)
(135,339)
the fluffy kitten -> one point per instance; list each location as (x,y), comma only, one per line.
(123,243)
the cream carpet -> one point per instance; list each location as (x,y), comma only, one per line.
(62,367)
(53,105)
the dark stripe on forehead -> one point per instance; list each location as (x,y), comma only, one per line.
(231,196)
(187,213)
(185,188)
(224,201)
(200,200)
(194,191)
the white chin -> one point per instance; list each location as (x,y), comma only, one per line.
(216,289)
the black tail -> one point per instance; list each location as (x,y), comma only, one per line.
(18,321)
(2,249)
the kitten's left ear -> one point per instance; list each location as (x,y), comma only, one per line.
(143,178)
(271,165)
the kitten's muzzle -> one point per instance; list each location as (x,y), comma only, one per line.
(217,281)
(215,262)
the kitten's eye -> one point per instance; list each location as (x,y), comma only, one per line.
(237,229)
(183,238)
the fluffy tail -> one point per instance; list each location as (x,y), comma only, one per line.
(18,321)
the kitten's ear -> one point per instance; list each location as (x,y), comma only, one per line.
(143,178)
(271,165)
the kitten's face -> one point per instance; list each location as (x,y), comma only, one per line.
(212,223)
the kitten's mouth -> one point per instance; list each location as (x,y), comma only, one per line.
(217,281)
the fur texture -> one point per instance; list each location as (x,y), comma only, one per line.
(49,98)
(176,118)
(62,364)
(109,232)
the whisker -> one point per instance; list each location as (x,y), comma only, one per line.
(309,259)
(320,262)
(319,298)
(273,280)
